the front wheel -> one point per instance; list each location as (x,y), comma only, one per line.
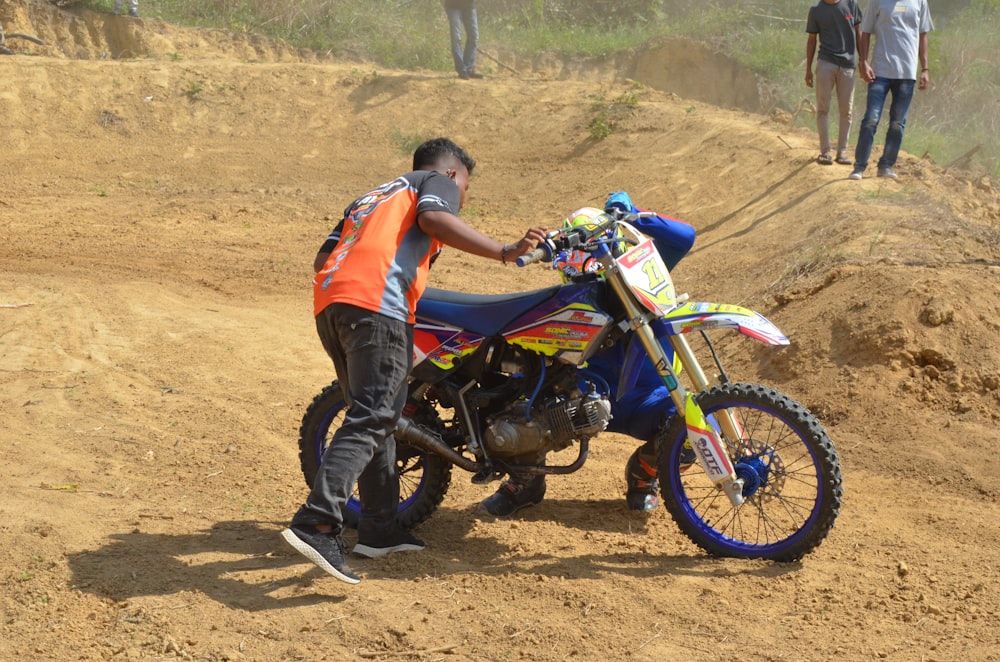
(792,482)
(424,478)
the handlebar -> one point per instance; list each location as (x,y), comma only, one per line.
(580,238)
(543,253)
(530,258)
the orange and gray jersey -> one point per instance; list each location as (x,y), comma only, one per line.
(382,257)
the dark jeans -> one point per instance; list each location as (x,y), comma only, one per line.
(373,355)
(902,94)
(465,59)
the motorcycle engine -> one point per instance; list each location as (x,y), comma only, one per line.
(554,425)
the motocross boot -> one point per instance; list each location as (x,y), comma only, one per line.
(688,458)
(515,493)
(640,476)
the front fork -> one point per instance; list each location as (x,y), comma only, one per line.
(709,449)
(727,421)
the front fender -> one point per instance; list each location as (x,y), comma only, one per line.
(700,315)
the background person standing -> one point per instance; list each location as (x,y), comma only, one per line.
(462,16)
(133,7)
(900,28)
(836,23)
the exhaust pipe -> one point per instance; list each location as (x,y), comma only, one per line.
(422,438)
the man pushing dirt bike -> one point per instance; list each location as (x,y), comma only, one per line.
(501,381)
(639,413)
(369,275)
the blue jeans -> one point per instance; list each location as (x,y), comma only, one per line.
(902,94)
(373,355)
(459,19)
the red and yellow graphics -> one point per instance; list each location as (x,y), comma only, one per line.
(566,334)
(698,315)
(442,345)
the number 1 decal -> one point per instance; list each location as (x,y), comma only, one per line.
(652,271)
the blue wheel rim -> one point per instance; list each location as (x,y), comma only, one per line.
(749,530)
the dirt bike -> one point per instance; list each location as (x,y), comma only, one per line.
(744,470)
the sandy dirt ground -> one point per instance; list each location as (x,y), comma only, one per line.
(158,219)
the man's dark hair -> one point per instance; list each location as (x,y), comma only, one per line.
(432,152)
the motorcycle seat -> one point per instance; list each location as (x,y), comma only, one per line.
(485,314)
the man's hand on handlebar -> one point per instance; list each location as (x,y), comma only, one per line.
(526,244)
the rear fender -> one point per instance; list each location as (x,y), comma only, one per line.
(699,315)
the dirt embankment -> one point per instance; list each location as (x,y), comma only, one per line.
(158,218)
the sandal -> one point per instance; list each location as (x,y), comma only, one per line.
(842,159)
(824,159)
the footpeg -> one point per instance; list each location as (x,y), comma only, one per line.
(485,477)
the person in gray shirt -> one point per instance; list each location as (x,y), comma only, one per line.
(835,25)
(900,28)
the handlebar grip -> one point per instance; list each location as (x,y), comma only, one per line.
(536,255)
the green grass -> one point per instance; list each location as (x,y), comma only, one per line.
(194,90)
(407,143)
(608,114)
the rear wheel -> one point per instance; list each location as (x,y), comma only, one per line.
(791,471)
(424,478)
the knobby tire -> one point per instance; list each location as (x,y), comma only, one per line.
(794,488)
